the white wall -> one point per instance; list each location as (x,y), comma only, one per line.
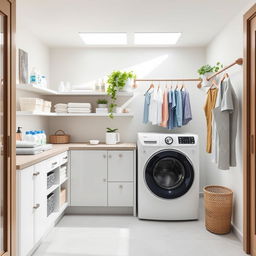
(82,65)
(226,47)
(39,57)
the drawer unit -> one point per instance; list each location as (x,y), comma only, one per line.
(52,163)
(63,158)
(120,166)
(120,194)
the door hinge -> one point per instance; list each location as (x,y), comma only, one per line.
(252,143)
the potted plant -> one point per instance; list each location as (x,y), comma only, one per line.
(118,81)
(112,136)
(206,71)
(102,103)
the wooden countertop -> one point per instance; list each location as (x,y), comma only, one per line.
(24,161)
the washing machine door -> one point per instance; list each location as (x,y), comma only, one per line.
(169,174)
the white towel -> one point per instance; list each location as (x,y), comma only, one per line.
(61,110)
(79,105)
(79,110)
(61,105)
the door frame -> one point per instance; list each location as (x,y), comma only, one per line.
(10,130)
(247,136)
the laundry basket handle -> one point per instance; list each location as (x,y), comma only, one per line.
(62,132)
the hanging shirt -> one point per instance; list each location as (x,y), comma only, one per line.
(225,116)
(209,105)
(146,107)
(152,116)
(186,108)
(165,107)
(178,110)
(159,105)
(172,106)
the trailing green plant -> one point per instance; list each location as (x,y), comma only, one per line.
(111,130)
(117,81)
(208,68)
(102,101)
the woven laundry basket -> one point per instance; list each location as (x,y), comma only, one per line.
(218,203)
(60,137)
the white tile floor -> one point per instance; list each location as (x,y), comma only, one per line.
(128,236)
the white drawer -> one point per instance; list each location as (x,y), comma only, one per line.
(63,158)
(120,194)
(120,165)
(53,163)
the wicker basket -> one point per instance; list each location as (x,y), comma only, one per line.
(218,203)
(59,137)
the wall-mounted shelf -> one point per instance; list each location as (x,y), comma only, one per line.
(29,113)
(49,92)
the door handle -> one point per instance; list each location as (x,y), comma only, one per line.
(36,206)
(53,164)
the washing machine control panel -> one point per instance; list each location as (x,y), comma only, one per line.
(186,140)
(168,140)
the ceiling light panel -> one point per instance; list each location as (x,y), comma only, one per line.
(104,38)
(156,38)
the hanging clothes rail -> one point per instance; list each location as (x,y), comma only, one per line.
(237,62)
(169,80)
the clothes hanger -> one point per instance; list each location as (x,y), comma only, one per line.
(224,77)
(177,85)
(214,83)
(183,86)
(150,87)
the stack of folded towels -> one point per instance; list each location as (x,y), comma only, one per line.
(79,107)
(61,108)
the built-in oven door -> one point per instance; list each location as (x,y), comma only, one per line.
(169,174)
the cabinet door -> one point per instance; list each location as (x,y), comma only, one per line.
(120,165)
(25,196)
(120,194)
(40,200)
(88,178)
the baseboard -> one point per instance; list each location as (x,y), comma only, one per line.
(237,233)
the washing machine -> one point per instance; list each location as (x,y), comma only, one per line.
(168,176)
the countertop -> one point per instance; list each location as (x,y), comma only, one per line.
(24,161)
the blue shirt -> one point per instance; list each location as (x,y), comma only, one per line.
(172,106)
(146,107)
(177,122)
(187,113)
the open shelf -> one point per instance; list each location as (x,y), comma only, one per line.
(46,91)
(31,113)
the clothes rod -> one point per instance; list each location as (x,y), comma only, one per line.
(237,62)
(169,80)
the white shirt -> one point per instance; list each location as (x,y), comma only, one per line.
(152,116)
(159,106)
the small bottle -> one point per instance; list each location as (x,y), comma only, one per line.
(43,137)
(27,136)
(19,134)
(34,76)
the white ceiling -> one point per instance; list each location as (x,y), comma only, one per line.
(57,22)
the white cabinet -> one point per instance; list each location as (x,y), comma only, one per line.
(32,192)
(120,194)
(88,178)
(40,200)
(120,165)
(102,178)
(26,210)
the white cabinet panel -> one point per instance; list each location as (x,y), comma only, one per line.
(120,194)
(25,195)
(88,178)
(120,165)
(40,200)
(63,158)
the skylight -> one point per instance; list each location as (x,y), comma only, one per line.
(156,38)
(104,38)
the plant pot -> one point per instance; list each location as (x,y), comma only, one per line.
(102,105)
(206,83)
(112,138)
(128,86)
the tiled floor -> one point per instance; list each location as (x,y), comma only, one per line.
(128,236)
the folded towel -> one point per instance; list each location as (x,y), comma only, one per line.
(25,144)
(61,105)
(61,111)
(79,105)
(79,110)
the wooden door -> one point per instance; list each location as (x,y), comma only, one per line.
(249,126)
(89,178)
(7,128)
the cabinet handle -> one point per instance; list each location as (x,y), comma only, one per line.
(54,163)
(36,173)
(36,206)
(104,180)
(64,158)
(120,155)
(109,156)
(121,186)
(104,156)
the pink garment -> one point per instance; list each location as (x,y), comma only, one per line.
(165,109)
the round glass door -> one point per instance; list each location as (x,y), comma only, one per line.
(169,174)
